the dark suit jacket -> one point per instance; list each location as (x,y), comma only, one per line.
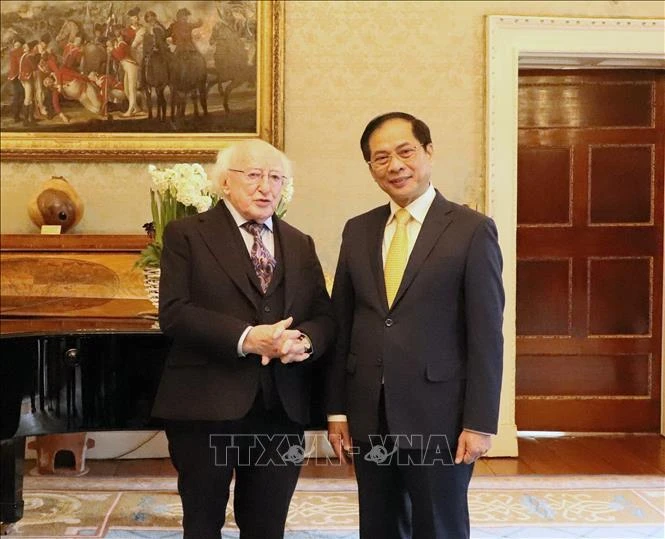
(209,295)
(439,348)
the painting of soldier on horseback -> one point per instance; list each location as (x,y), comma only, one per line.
(77,66)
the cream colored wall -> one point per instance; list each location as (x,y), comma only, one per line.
(345,62)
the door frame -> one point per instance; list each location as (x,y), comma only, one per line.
(556,42)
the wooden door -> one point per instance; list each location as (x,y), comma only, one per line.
(590,250)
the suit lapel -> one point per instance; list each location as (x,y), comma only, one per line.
(375,231)
(439,216)
(284,243)
(220,232)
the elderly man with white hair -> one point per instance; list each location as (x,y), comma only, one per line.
(243,297)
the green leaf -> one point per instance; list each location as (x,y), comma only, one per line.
(150,256)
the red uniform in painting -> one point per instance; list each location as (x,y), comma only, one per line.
(14,62)
(129,34)
(122,51)
(15,55)
(71,56)
(49,64)
(27,65)
(65,76)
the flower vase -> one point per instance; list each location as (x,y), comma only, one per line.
(151,283)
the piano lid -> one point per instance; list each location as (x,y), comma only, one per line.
(72,283)
(72,325)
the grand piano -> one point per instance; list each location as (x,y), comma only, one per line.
(79,346)
(74,375)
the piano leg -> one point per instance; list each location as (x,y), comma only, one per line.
(12,453)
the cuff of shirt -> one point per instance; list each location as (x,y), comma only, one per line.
(241,341)
(478,432)
(337,417)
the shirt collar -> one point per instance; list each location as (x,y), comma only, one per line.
(240,220)
(418,208)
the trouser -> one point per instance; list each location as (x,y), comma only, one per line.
(411,493)
(263,450)
(17,99)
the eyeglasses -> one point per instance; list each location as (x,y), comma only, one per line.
(382,159)
(254,176)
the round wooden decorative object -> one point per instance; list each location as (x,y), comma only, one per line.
(56,203)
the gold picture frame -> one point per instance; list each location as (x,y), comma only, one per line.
(169,145)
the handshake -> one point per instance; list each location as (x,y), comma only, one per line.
(277,341)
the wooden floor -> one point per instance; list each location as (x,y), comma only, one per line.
(578,455)
(644,454)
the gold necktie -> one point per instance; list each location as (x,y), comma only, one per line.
(397,256)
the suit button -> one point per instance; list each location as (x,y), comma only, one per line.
(389,322)
(267,309)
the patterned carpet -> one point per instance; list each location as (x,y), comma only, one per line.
(621,507)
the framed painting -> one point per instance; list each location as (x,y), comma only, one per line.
(127,80)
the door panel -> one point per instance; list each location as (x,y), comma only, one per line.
(589,250)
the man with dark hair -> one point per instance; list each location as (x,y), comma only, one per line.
(416,376)
(418,127)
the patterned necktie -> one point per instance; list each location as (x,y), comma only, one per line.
(264,263)
(397,256)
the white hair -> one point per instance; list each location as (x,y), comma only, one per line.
(226,156)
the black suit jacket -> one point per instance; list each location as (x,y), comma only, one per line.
(438,349)
(209,295)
